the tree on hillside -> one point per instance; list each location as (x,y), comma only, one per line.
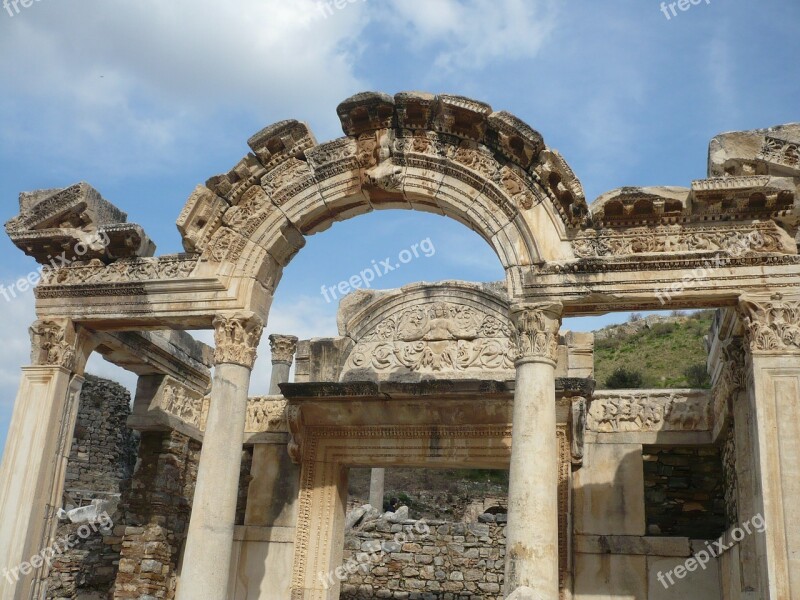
(624,379)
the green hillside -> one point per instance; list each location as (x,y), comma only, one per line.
(661,352)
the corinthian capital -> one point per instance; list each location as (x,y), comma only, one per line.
(236,338)
(773,324)
(536,331)
(283,348)
(53,343)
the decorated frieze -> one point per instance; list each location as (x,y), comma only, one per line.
(737,240)
(649,411)
(435,337)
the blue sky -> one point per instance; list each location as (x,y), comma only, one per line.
(145,99)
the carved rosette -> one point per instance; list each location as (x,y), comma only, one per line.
(536,332)
(283,348)
(772,325)
(53,344)
(236,338)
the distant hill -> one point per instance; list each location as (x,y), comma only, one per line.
(661,349)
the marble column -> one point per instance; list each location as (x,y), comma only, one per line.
(283,350)
(376,487)
(36,452)
(772,330)
(209,546)
(532,530)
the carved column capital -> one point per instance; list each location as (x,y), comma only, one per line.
(54,343)
(283,348)
(536,332)
(236,338)
(771,324)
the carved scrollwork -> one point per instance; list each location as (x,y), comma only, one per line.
(122,271)
(763,238)
(236,338)
(772,325)
(434,338)
(536,332)
(53,344)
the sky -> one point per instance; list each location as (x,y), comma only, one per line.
(144,100)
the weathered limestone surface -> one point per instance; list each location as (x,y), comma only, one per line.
(610,577)
(730,240)
(700,584)
(609,491)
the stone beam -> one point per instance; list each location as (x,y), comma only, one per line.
(593,287)
(167,352)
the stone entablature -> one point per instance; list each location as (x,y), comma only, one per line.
(75,223)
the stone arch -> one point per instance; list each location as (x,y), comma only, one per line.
(446,155)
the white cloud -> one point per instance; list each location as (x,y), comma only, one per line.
(138,78)
(468,34)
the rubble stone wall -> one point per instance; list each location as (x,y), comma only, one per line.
(451,561)
(101,463)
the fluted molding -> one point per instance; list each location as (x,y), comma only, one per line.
(236,338)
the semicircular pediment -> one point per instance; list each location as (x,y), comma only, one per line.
(449,331)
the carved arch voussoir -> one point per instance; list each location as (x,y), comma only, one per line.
(444,153)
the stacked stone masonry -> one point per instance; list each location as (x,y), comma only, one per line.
(452,561)
(101,463)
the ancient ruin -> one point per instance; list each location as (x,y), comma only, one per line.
(234,497)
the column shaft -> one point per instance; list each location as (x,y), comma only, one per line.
(209,546)
(376,488)
(532,530)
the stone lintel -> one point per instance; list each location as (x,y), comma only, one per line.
(168,352)
(631,544)
(565,386)
(654,438)
(273,535)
